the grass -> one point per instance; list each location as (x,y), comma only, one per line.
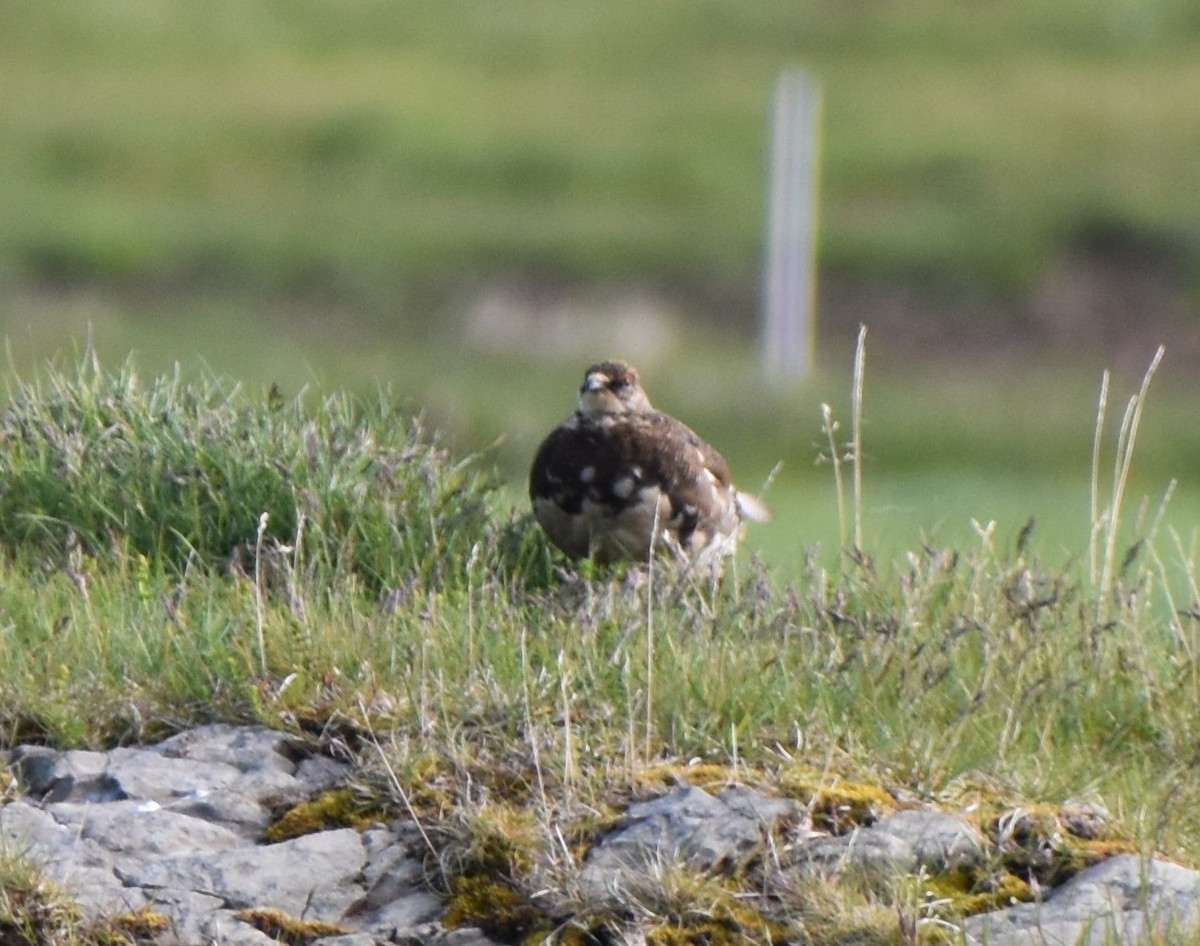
(497,693)
(944,443)
(387,155)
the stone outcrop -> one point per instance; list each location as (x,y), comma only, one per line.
(177,830)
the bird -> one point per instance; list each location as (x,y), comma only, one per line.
(620,480)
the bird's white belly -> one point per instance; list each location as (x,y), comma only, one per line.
(625,531)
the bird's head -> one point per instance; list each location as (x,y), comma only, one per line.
(611,387)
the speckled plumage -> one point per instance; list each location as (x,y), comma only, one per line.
(618,479)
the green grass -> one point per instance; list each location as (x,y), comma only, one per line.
(416,613)
(944,443)
(383,152)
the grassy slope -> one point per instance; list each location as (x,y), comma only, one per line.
(388,593)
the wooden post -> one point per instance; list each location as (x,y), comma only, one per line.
(789,278)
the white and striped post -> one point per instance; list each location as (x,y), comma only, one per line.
(789,278)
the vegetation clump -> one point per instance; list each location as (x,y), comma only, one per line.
(288,929)
(337,808)
(192,473)
(964,891)
(838,805)
(496,907)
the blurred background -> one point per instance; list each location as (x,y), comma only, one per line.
(468,201)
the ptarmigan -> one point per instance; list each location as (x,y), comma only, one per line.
(618,479)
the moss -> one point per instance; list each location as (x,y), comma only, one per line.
(724,924)
(1069,856)
(965,891)
(142,924)
(838,805)
(288,929)
(570,934)
(495,907)
(339,808)
(503,841)
(710,776)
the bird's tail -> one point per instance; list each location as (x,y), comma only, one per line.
(751,507)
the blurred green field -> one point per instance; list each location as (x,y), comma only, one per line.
(314,192)
(384,153)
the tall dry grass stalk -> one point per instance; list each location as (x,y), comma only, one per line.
(1108,522)
(856,408)
(1097,439)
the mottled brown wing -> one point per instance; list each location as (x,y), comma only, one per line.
(577,463)
(694,477)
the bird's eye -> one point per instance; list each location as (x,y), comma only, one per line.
(622,381)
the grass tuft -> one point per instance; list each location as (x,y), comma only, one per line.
(201,474)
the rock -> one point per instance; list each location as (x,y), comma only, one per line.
(900,843)
(689,826)
(937,841)
(1123,900)
(177,829)
(874,853)
(189,915)
(147,775)
(142,828)
(246,748)
(266,875)
(60,776)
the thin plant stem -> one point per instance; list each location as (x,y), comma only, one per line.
(830,427)
(650,639)
(1097,525)
(856,420)
(1125,443)
(258,595)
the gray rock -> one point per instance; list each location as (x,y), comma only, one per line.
(60,776)
(234,810)
(866,851)
(689,826)
(224,927)
(1123,900)
(177,828)
(938,841)
(164,779)
(96,890)
(901,843)
(349,939)
(142,828)
(246,748)
(187,912)
(30,832)
(320,773)
(753,805)
(434,934)
(403,913)
(269,875)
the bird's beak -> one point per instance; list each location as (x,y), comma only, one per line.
(594,382)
